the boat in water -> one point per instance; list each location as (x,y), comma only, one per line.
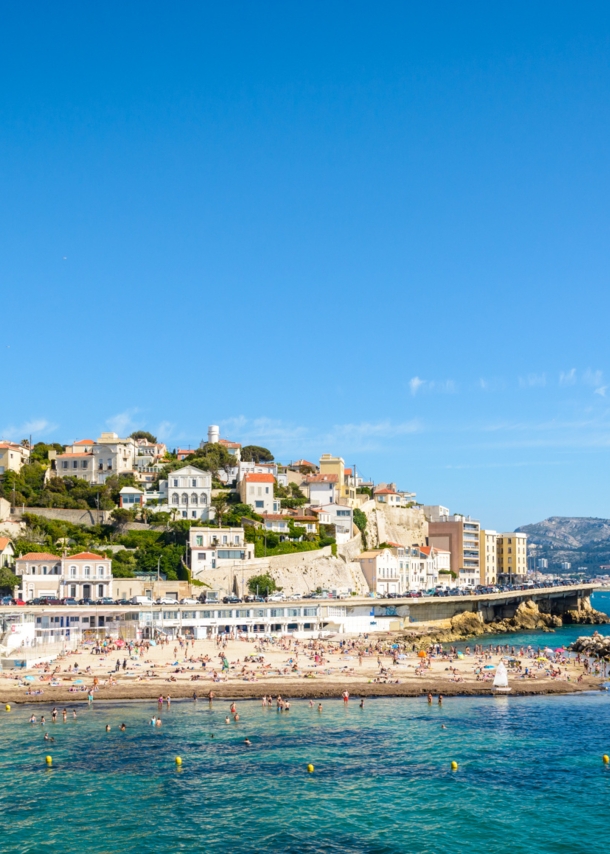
(500,685)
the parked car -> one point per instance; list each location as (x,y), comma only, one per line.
(275,597)
(18,601)
(142,600)
(231,600)
(49,600)
(69,600)
(165,600)
(35,601)
(188,601)
(105,600)
(254,598)
(122,602)
(6,600)
(84,602)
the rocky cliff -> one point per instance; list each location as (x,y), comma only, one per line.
(394,525)
(583,541)
(596,645)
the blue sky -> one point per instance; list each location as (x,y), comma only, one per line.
(374,230)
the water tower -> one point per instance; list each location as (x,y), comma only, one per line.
(213,434)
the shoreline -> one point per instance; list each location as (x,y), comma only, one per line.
(293,691)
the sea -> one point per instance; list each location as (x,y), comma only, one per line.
(530,776)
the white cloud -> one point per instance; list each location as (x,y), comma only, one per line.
(291,441)
(165,431)
(37,427)
(415,383)
(532,381)
(601,390)
(594,378)
(440,386)
(122,423)
(567,377)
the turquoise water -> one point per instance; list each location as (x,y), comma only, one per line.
(530,778)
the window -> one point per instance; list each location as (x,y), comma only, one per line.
(194,482)
(185,498)
(194,499)
(87,571)
(175,498)
(236,539)
(231,554)
(84,464)
(343,513)
(203,499)
(259,503)
(100,571)
(266,490)
(64,465)
(200,555)
(175,481)
(224,539)
(199,540)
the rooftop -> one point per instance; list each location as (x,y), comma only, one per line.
(258,477)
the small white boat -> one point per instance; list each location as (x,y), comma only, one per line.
(500,685)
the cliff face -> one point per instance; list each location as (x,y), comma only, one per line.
(394,525)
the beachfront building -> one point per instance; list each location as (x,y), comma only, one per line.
(488,573)
(459,535)
(512,557)
(380,568)
(189,492)
(257,491)
(346,493)
(81,576)
(217,548)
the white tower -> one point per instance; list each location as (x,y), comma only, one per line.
(213,434)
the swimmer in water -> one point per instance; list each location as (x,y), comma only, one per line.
(74,714)
(247,741)
(158,722)
(429,699)
(319,707)
(42,720)
(362,702)
(64,715)
(48,737)
(236,717)
(122,727)
(440,699)
(33,719)
(227,720)
(443,726)
(107,727)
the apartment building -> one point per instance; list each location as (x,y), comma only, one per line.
(336,465)
(458,535)
(488,569)
(380,568)
(96,461)
(512,557)
(215,548)
(81,576)
(189,492)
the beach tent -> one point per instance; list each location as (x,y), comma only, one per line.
(421,654)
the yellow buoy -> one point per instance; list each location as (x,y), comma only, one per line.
(48,760)
(310,768)
(7,708)
(178,760)
(606,758)
(454,766)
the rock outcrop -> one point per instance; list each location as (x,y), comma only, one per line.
(595,645)
(403,525)
(586,615)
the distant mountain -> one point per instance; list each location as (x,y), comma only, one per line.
(583,541)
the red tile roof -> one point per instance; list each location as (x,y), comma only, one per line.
(228,444)
(257,477)
(301,463)
(86,556)
(85,442)
(65,456)
(322,478)
(385,492)
(30,556)
(275,517)
(4,541)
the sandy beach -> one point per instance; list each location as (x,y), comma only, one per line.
(246,669)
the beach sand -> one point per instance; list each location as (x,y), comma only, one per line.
(337,673)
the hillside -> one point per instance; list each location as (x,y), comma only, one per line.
(583,541)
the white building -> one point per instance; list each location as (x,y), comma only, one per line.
(340,516)
(249,467)
(323,489)
(96,461)
(81,576)
(380,567)
(215,548)
(388,495)
(257,491)
(189,491)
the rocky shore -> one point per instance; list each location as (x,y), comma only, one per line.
(594,645)
(528,617)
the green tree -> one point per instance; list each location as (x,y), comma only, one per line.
(8,581)
(220,504)
(256,454)
(143,434)
(360,521)
(121,517)
(262,585)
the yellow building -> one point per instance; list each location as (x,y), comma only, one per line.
(488,557)
(336,465)
(512,555)
(12,456)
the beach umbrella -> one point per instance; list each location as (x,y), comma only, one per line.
(489,667)
(460,655)
(421,654)
(560,649)
(541,658)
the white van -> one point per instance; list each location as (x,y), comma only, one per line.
(142,600)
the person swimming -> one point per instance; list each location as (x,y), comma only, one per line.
(122,727)
(48,737)
(107,727)
(227,720)
(247,741)
(33,719)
